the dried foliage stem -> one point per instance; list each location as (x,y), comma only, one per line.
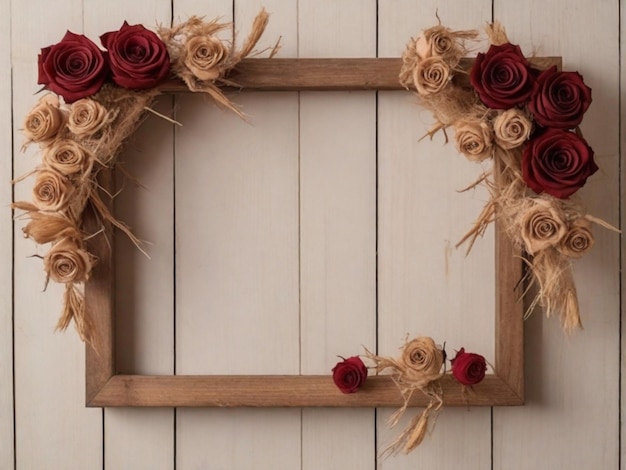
(419,368)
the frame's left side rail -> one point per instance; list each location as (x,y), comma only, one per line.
(99,291)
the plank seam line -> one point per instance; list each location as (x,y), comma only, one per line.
(620,185)
(12,140)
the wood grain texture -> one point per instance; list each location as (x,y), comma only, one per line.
(99,295)
(622,143)
(6,245)
(323,74)
(49,367)
(426,286)
(143,301)
(237,255)
(572,382)
(283,391)
(337,222)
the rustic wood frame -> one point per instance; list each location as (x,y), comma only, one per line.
(106,388)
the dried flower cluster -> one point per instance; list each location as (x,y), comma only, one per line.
(526,120)
(420,367)
(99,99)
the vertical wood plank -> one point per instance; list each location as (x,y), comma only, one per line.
(338,227)
(144,288)
(6,245)
(53,428)
(622,146)
(237,255)
(426,287)
(571,419)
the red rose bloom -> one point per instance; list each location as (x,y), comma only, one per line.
(73,68)
(350,374)
(137,57)
(559,99)
(502,77)
(557,162)
(468,368)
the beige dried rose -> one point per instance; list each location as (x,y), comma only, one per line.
(542,226)
(431,75)
(204,56)
(67,262)
(578,240)
(435,41)
(87,117)
(422,356)
(512,128)
(52,190)
(474,139)
(67,157)
(43,122)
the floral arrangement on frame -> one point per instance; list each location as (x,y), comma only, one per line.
(98,100)
(527,121)
(503,109)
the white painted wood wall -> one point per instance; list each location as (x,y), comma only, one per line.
(272,268)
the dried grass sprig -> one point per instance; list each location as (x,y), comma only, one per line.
(419,368)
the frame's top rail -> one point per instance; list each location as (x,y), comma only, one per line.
(323,74)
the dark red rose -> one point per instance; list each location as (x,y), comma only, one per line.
(73,68)
(502,77)
(559,99)
(557,162)
(137,57)
(468,368)
(350,374)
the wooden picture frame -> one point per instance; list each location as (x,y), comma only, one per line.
(106,388)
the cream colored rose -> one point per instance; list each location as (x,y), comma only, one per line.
(435,41)
(67,157)
(52,190)
(474,139)
(578,240)
(431,76)
(512,128)
(542,227)
(203,56)
(67,262)
(44,120)
(87,117)
(421,356)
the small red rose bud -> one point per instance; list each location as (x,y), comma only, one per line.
(350,374)
(468,368)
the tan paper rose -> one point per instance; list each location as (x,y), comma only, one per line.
(44,121)
(474,139)
(52,190)
(204,56)
(67,262)
(422,357)
(578,240)
(512,128)
(542,226)
(431,76)
(67,157)
(87,117)
(435,41)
